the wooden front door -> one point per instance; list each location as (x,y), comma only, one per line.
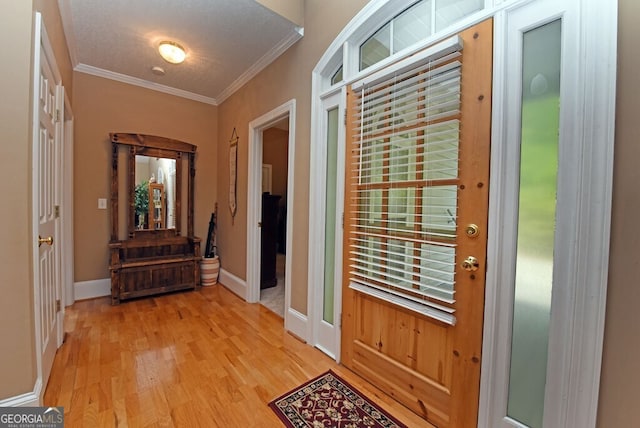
(417,186)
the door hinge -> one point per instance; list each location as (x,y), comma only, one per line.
(58,305)
(340,320)
(345,118)
(57,115)
(56,211)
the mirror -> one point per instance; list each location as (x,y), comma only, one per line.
(155,193)
(152,187)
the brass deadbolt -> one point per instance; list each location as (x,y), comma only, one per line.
(472,230)
(470,264)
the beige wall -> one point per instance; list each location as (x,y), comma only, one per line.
(102,106)
(17,360)
(275,151)
(53,23)
(289,77)
(293,10)
(621,361)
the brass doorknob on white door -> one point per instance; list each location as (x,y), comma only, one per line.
(470,264)
(48,240)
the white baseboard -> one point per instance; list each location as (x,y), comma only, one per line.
(296,323)
(90,289)
(233,283)
(29,399)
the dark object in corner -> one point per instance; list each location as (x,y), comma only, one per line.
(269,234)
(210,249)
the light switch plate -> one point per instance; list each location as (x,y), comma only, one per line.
(102,204)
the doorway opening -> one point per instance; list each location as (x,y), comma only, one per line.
(273,248)
(268,174)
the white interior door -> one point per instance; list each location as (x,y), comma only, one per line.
(47,154)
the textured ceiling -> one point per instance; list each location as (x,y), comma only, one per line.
(227,42)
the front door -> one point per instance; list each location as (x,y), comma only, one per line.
(416,201)
(46,155)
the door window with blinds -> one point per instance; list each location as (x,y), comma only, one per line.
(404,189)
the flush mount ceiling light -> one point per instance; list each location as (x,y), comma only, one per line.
(172,52)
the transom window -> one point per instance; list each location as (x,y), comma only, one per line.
(416,23)
(337,76)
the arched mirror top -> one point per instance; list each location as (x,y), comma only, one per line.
(154,175)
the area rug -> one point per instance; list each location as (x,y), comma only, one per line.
(329,401)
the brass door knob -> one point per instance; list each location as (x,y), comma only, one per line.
(470,264)
(48,240)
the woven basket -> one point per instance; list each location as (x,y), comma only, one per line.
(209,270)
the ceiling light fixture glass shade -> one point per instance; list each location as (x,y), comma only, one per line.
(172,52)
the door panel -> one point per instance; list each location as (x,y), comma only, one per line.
(47,139)
(400,336)
(412,312)
(47,156)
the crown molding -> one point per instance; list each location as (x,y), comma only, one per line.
(262,63)
(95,71)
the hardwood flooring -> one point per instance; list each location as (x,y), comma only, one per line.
(196,359)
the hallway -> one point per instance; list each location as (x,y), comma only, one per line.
(203,358)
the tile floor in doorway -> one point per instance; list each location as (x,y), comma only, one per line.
(273,298)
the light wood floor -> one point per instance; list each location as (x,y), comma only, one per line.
(191,359)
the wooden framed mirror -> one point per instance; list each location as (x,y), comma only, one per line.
(154,191)
(155,200)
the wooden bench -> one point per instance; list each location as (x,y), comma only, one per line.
(158,265)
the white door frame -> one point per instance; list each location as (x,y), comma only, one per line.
(254,201)
(60,226)
(67,252)
(323,335)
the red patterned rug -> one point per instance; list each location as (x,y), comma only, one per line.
(329,401)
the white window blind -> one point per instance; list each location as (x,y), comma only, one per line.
(404,193)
